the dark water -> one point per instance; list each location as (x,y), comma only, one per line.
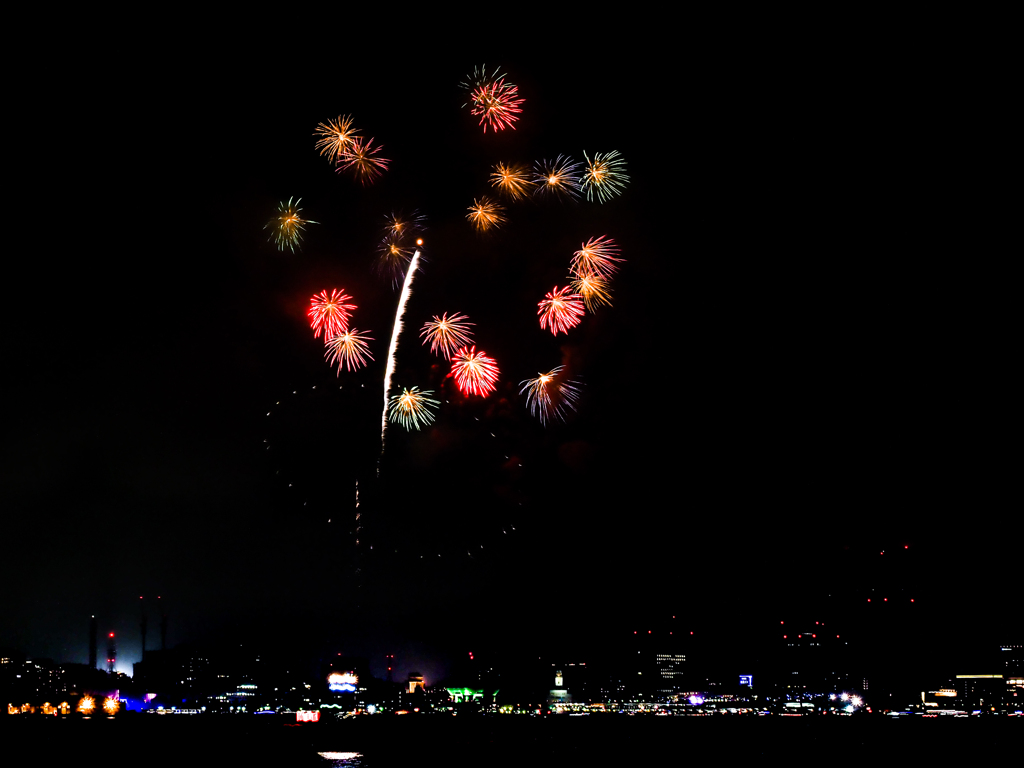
(378,742)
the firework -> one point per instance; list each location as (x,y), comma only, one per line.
(475,373)
(412,407)
(329,314)
(287,225)
(485,214)
(605,176)
(361,158)
(400,225)
(557,178)
(593,288)
(546,397)
(447,334)
(336,136)
(597,256)
(349,348)
(392,259)
(493,100)
(395,332)
(561,310)
(512,180)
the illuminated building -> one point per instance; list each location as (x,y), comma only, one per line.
(1011,660)
(464,695)
(559,694)
(342,682)
(415,682)
(979,691)
(813,659)
(670,668)
(657,660)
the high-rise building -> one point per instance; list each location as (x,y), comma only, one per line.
(671,667)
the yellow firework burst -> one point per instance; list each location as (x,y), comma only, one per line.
(599,255)
(605,176)
(412,408)
(286,227)
(336,137)
(485,214)
(447,334)
(349,349)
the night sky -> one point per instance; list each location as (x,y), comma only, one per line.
(792,378)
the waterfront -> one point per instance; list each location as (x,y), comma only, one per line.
(597,740)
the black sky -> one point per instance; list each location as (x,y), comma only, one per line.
(790,378)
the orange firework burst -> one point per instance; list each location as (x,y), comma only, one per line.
(447,334)
(401,225)
(336,136)
(329,314)
(512,180)
(597,255)
(561,310)
(485,214)
(475,373)
(392,259)
(349,348)
(593,288)
(557,178)
(360,157)
(547,397)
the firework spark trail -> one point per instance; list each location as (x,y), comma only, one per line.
(406,290)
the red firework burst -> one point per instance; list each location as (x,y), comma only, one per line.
(493,100)
(561,310)
(475,373)
(329,314)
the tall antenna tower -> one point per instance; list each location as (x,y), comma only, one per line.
(111,653)
(163,627)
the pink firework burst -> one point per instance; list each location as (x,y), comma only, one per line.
(447,334)
(329,314)
(350,349)
(475,373)
(561,310)
(360,157)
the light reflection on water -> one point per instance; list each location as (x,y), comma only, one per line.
(342,758)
